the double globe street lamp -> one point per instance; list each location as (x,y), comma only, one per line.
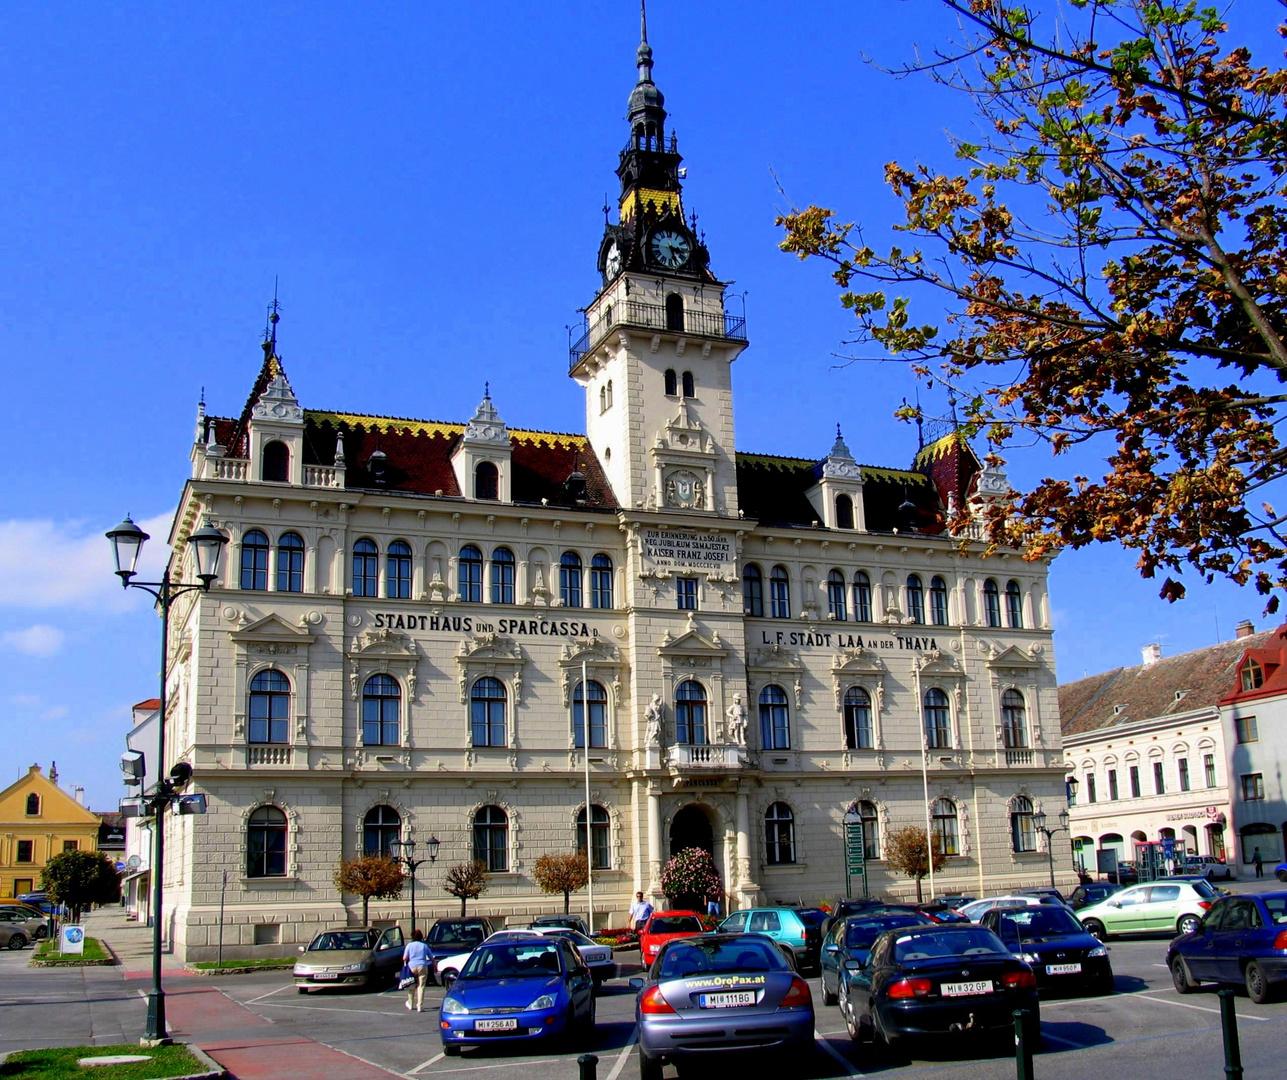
(1039,823)
(207,546)
(404,851)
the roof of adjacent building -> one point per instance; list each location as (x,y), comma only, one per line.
(1168,687)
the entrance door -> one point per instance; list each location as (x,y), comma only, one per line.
(691,828)
(22,885)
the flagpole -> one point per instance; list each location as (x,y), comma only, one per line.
(589,817)
(929,829)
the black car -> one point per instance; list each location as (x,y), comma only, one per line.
(1063,956)
(1091,894)
(1125,874)
(568,922)
(844,906)
(947,981)
(851,939)
(448,937)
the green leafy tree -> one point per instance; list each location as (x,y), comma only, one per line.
(561,873)
(370,876)
(1110,252)
(466,881)
(81,879)
(906,853)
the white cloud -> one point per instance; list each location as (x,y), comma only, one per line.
(47,564)
(56,713)
(40,640)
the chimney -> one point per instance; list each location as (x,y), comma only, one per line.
(78,793)
(1152,653)
(1244,629)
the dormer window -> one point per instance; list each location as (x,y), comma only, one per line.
(1253,675)
(844,512)
(275,462)
(486,481)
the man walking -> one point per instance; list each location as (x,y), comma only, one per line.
(640,911)
(1258,862)
(416,957)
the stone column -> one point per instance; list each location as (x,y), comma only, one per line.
(654,842)
(746,888)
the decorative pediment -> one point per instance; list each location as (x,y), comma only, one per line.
(684,434)
(859,665)
(493,655)
(1013,657)
(271,630)
(692,642)
(373,643)
(935,664)
(278,402)
(775,664)
(602,662)
(490,647)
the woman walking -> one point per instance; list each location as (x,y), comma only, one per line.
(416,957)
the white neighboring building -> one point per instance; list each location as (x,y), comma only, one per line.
(136,882)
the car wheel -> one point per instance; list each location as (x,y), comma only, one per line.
(851,1025)
(42,931)
(1095,929)
(451,1049)
(828,998)
(1188,924)
(649,1068)
(1281,875)
(1257,984)
(17,941)
(447,978)
(301,989)
(1184,982)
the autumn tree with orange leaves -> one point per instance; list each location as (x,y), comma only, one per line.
(1111,254)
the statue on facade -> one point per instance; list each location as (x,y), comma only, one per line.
(737,717)
(653,715)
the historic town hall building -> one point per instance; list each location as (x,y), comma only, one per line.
(396,646)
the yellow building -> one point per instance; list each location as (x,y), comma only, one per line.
(37,821)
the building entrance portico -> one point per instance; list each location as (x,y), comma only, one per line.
(691,827)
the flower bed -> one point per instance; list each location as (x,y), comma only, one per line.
(617,938)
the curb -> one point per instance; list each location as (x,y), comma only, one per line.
(249,970)
(112,959)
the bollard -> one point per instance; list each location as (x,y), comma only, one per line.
(1022,1051)
(589,1065)
(1229,1025)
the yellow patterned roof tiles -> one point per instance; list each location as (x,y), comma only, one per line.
(939,447)
(444,428)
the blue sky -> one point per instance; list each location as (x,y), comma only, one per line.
(426,181)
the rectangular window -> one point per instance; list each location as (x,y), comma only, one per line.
(1253,786)
(1112,783)
(686,590)
(1159,781)
(24,850)
(71,845)
(1208,766)
(1246,729)
(1135,781)
(1090,788)
(1183,766)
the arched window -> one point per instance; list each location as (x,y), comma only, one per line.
(991,603)
(601,581)
(486,481)
(938,720)
(366,570)
(1253,675)
(915,599)
(672,384)
(600,837)
(381,703)
(844,512)
(675,313)
(570,579)
(290,563)
(487,712)
(836,590)
(33,805)
(870,830)
(1013,605)
(603,399)
(609,394)
(862,597)
(1014,725)
(779,834)
(943,819)
(938,601)
(775,723)
(502,576)
(1023,837)
(254,560)
(690,713)
(598,701)
(491,838)
(470,574)
(269,708)
(381,827)
(753,591)
(397,582)
(275,462)
(688,384)
(266,843)
(858,731)
(779,593)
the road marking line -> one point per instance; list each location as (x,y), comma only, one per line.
(323,1008)
(268,995)
(425,1064)
(1067,1042)
(624,1056)
(849,1067)
(1145,996)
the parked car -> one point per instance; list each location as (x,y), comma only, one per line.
(663,926)
(40,901)
(1125,874)
(572,922)
(1209,867)
(1091,894)
(1280,871)
(941,913)
(347,957)
(1040,891)
(446,969)
(851,939)
(34,923)
(784,925)
(1062,955)
(844,906)
(955,900)
(976,910)
(13,935)
(530,990)
(447,937)
(1167,907)
(1242,940)
(719,991)
(598,958)
(938,981)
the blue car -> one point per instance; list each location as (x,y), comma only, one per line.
(537,990)
(1241,940)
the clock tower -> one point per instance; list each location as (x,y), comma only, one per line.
(657,345)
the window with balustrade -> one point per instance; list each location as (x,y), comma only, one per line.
(690,713)
(1014,721)
(268,719)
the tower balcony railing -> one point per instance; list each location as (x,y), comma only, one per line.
(636,315)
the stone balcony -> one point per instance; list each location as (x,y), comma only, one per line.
(213,467)
(686,756)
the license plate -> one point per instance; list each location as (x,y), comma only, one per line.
(1063,969)
(326,975)
(726,1001)
(966,989)
(496,1025)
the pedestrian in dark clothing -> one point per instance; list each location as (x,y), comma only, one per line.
(1258,862)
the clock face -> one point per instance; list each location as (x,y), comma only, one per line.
(670,249)
(612,264)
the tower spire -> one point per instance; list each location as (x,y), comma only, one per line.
(643,58)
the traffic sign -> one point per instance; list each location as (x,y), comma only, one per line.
(855,854)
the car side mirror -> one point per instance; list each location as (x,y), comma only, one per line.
(636,984)
(301,948)
(832,948)
(854,965)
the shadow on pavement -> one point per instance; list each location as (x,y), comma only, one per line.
(1060,1034)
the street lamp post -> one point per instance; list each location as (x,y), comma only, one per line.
(207,547)
(1039,823)
(405,853)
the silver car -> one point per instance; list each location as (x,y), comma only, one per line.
(720,992)
(13,936)
(34,923)
(346,957)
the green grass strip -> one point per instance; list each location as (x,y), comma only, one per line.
(263,962)
(48,950)
(59,1063)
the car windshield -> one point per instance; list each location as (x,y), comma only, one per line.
(342,939)
(1038,921)
(930,944)
(519,960)
(860,933)
(675,924)
(577,939)
(456,934)
(713,955)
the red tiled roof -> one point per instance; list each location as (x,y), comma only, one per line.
(149,703)
(1272,658)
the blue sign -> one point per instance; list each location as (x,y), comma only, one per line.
(74,934)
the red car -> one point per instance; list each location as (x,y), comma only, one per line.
(662,926)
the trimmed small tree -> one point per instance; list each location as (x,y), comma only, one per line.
(905,852)
(81,879)
(690,877)
(466,881)
(561,873)
(368,876)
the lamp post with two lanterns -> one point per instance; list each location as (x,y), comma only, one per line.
(1039,823)
(404,851)
(207,546)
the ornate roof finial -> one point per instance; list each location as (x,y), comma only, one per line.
(643,57)
(270,327)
